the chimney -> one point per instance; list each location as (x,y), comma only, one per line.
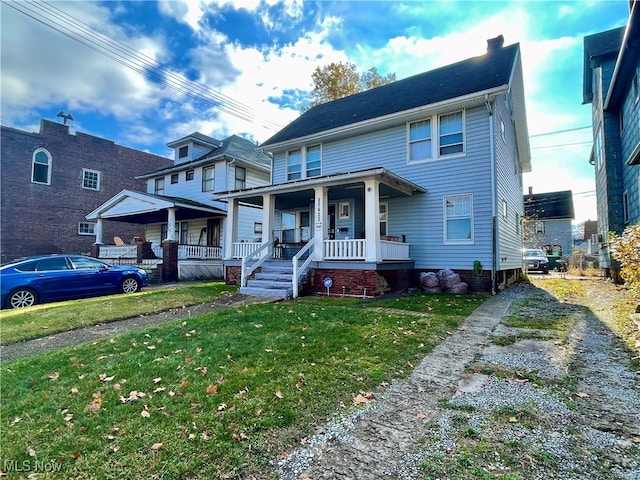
(495,44)
(530,191)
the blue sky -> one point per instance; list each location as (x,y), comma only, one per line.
(255,59)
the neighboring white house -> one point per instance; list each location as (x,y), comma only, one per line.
(418,175)
(178,206)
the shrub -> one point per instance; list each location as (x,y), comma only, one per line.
(626,250)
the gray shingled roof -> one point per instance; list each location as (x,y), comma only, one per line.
(469,76)
(598,46)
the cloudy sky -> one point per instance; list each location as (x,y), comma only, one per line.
(145,73)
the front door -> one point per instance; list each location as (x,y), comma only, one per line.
(213,232)
(332,221)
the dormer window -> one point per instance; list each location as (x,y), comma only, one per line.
(183,152)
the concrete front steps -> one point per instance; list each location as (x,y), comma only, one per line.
(275,280)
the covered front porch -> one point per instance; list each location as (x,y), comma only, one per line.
(340,219)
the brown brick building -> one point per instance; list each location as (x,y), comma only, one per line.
(52,179)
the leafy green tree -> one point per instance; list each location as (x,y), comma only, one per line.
(625,249)
(338,80)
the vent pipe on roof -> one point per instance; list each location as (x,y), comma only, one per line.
(494,44)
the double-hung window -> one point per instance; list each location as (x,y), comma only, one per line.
(208,179)
(437,136)
(451,134)
(458,220)
(313,161)
(159,186)
(241,178)
(294,164)
(41,167)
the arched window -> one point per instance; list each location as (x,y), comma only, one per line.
(41,167)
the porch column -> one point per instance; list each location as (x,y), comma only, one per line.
(320,213)
(98,231)
(230,228)
(268,217)
(372,220)
(171,224)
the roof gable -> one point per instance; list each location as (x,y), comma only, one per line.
(477,74)
(596,48)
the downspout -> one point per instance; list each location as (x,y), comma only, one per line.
(494,231)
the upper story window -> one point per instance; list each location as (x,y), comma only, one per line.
(449,140)
(599,149)
(241,178)
(458,220)
(90,179)
(189,174)
(307,161)
(183,152)
(625,207)
(208,179)
(294,164)
(175,178)
(314,161)
(451,133)
(41,167)
(159,186)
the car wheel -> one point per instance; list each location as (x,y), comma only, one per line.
(22,297)
(130,285)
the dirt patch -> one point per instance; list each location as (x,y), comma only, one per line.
(559,398)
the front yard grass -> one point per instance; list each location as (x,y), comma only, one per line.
(40,320)
(214,396)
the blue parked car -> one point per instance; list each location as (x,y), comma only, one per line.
(49,278)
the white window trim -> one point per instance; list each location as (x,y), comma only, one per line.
(435,138)
(99,180)
(344,210)
(386,220)
(303,162)
(92,229)
(208,180)
(155,186)
(505,209)
(49,166)
(462,241)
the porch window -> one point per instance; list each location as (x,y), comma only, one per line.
(86,228)
(458,224)
(241,178)
(175,178)
(181,232)
(451,133)
(208,179)
(314,161)
(90,179)
(420,140)
(159,186)
(384,208)
(294,164)
(189,174)
(41,167)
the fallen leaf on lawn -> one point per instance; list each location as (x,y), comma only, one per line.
(145,413)
(16,420)
(156,446)
(103,377)
(582,395)
(117,387)
(192,436)
(31,452)
(522,380)
(421,415)
(279,394)
(212,389)
(258,325)
(635,439)
(157,380)
(68,417)
(159,389)
(358,399)
(513,420)
(74,391)
(53,376)
(184,384)
(114,449)
(94,406)
(133,396)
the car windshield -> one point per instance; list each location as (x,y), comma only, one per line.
(534,253)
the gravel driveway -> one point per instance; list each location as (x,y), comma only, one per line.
(495,401)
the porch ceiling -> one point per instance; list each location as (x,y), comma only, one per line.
(342,185)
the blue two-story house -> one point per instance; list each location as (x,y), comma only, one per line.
(611,85)
(370,190)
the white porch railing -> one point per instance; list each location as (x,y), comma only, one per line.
(298,270)
(115,251)
(184,251)
(198,251)
(245,249)
(394,250)
(344,249)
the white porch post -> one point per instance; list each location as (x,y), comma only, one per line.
(268,217)
(372,220)
(171,224)
(230,228)
(320,213)
(98,231)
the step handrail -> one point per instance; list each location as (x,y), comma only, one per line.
(245,270)
(297,271)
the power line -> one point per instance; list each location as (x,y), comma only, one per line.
(76,30)
(559,131)
(561,145)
